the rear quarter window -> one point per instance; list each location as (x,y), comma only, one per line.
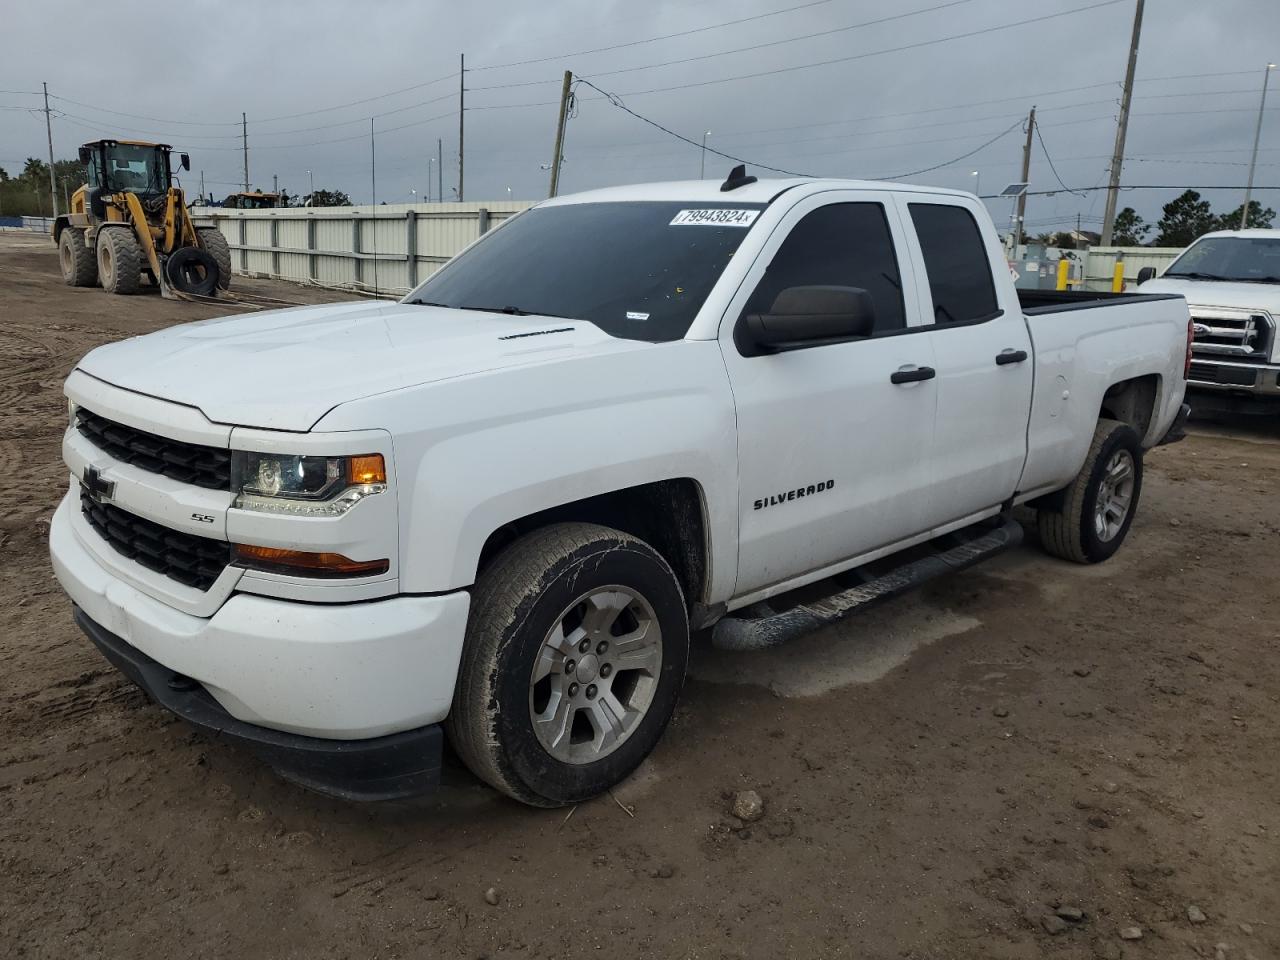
(955,259)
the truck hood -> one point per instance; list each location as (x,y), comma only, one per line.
(285,369)
(1215,293)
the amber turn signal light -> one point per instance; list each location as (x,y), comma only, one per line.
(368,468)
(277,560)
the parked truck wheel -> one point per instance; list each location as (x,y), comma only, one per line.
(215,243)
(119,261)
(79,268)
(575,655)
(1096,511)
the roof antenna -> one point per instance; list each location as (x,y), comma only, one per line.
(737,178)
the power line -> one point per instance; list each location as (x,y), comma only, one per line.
(775,43)
(1142,186)
(964,156)
(874,53)
(1045,151)
(665,36)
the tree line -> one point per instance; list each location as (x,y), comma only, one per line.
(1183,220)
(27,194)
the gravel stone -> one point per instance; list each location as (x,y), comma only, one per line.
(748,806)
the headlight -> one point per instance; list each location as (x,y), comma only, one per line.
(305,486)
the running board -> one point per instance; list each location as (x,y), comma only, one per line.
(759,633)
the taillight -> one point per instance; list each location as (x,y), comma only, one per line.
(1191,332)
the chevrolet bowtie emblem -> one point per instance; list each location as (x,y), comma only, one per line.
(99,488)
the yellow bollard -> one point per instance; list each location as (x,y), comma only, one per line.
(1064,267)
(1117,281)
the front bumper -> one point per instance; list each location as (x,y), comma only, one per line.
(1255,379)
(351,671)
(381,768)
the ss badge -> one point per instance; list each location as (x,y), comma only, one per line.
(202,518)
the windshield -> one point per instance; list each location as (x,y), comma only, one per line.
(1247,259)
(639,271)
(135,169)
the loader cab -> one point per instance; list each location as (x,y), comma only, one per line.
(129,166)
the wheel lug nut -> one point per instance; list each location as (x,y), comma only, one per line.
(584,646)
(605,670)
(570,666)
(602,646)
(573,689)
(591,691)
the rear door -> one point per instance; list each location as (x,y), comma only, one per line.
(982,352)
(833,456)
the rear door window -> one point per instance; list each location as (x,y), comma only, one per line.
(955,259)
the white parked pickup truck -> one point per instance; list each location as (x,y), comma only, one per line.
(495,510)
(1231,280)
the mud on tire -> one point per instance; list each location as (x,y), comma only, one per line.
(79,265)
(1087,522)
(529,595)
(119,261)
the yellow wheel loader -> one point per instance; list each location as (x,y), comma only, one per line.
(131,219)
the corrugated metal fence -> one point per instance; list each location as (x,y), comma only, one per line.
(392,248)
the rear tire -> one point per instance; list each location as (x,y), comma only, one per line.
(1097,510)
(119,261)
(79,266)
(568,602)
(215,243)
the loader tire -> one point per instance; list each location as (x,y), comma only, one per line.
(119,261)
(79,267)
(213,241)
(1095,512)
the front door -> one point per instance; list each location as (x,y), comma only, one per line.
(833,456)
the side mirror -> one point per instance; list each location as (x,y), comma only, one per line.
(1145,274)
(186,161)
(809,316)
(85,155)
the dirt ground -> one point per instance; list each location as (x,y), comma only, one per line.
(939,774)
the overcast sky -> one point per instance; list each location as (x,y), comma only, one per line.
(883,114)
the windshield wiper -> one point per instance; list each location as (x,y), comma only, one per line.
(1193,275)
(1268,279)
(508,310)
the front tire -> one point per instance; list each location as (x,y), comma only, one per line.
(212,239)
(119,261)
(1096,511)
(575,655)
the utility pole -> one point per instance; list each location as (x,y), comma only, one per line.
(1257,135)
(202,186)
(275,183)
(439,170)
(558,155)
(48,129)
(244,139)
(1026,178)
(462,116)
(1122,129)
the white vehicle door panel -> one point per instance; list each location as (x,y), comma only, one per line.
(980,434)
(834,459)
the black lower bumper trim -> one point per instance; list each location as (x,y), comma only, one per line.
(382,768)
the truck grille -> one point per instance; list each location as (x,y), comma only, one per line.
(208,467)
(191,560)
(1242,337)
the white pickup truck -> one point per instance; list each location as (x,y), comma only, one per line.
(495,510)
(1231,280)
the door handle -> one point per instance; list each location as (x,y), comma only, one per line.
(1010,356)
(913,375)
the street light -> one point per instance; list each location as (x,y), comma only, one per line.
(508,194)
(1257,135)
(702,167)
(313,183)
(977,183)
(431,166)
